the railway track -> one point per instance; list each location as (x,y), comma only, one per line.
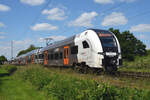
(86,70)
(133,74)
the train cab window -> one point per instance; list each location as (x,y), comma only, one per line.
(60,55)
(74,50)
(85,44)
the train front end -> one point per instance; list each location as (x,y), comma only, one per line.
(111,50)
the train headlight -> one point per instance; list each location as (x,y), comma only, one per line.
(111,53)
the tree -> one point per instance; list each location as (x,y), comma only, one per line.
(2,59)
(130,45)
(31,47)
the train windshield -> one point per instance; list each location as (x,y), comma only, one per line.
(107,39)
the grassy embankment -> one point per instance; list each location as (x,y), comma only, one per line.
(35,82)
(13,88)
(141,64)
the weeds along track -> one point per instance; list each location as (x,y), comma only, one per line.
(129,74)
(133,74)
(115,74)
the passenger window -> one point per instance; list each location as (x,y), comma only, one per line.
(42,56)
(51,56)
(74,50)
(48,56)
(85,44)
(35,56)
(56,56)
(61,55)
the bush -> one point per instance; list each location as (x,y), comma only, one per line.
(37,76)
(9,68)
(58,87)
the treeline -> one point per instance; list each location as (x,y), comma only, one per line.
(130,45)
(2,59)
(31,47)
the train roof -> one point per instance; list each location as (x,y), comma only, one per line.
(59,43)
(100,30)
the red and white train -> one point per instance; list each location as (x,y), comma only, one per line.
(95,48)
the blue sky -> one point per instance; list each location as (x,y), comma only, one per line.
(30,21)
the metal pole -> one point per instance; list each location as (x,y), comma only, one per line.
(12,49)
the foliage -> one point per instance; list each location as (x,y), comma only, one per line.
(62,87)
(130,45)
(9,68)
(12,88)
(2,59)
(37,76)
(32,47)
(141,64)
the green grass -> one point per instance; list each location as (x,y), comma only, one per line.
(12,88)
(34,82)
(66,86)
(8,69)
(141,64)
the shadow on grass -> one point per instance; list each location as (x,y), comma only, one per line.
(4,74)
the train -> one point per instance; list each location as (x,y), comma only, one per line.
(93,48)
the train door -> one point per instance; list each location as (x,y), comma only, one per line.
(66,55)
(45,57)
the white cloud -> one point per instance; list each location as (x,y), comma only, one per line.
(43,27)
(112,1)
(128,1)
(2,37)
(33,2)
(4,7)
(58,38)
(2,24)
(84,19)
(54,38)
(104,1)
(2,33)
(143,37)
(54,14)
(115,19)
(22,42)
(19,45)
(5,50)
(140,28)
